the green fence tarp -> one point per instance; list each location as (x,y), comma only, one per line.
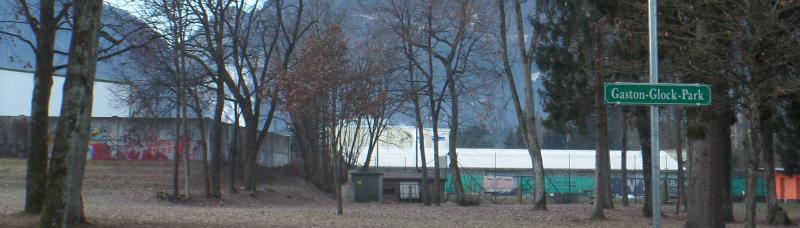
(575,184)
(738,187)
(560,184)
(472,183)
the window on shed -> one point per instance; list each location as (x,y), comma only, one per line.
(409,190)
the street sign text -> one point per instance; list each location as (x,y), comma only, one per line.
(657,94)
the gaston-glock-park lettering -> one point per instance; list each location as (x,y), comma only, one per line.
(657,94)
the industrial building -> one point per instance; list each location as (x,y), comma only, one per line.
(117,134)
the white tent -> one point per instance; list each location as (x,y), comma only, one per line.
(511,158)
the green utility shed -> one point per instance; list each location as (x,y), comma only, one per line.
(367,186)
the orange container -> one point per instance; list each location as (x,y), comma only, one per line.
(787,187)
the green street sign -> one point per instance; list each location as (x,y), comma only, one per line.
(657,94)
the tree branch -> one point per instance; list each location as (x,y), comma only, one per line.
(20,38)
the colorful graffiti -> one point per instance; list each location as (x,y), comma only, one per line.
(139,144)
(99,151)
(499,184)
(122,138)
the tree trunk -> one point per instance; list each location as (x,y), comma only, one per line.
(373,127)
(42,82)
(434,112)
(250,148)
(245,106)
(604,162)
(707,177)
(206,171)
(176,149)
(772,200)
(203,129)
(602,165)
(251,153)
(727,185)
(679,151)
(235,145)
(531,135)
(643,128)
(437,173)
(754,115)
(624,156)
(368,159)
(599,187)
(63,203)
(186,144)
(426,198)
(324,179)
(532,145)
(338,183)
(456,172)
(688,165)
(534,149)
(216,163)
(304,147)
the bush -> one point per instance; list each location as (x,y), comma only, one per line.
(470,200)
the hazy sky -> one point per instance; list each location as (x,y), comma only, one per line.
(130,5)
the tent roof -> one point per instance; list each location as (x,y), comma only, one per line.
(515,158)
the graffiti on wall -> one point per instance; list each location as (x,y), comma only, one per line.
(499,184)
(118,138)
(139,144)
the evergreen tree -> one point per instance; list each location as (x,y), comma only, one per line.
(787,144)
(573,57)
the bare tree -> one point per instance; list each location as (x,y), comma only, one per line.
(211,17)
(407,22)
(401,13)
(312,92)
(52,17)
(453,39)
(45,31)
(526,118)
(260,45)
(199,103)
(63,204)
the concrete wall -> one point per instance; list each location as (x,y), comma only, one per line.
(275,151)
(14,132)
(119,138)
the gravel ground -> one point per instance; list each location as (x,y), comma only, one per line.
(122,194)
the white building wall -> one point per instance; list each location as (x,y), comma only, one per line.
(511,158)
(398,147)
(16,88)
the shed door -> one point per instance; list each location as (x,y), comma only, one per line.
(366,188)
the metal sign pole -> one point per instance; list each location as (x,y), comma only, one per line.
(653,36)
